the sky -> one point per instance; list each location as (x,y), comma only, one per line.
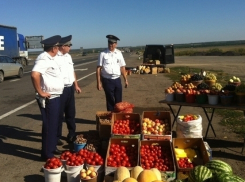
(134,22)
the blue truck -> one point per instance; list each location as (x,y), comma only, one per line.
(16,45)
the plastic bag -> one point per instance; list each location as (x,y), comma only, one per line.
(190,129)
(121,106)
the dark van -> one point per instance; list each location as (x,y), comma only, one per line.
(165,54)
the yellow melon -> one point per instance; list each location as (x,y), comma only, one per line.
(157,173)
(129,180)
(121,173)
(147,176)
(136,171)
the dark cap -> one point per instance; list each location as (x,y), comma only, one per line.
(112,38)
(51,41)
(66,40)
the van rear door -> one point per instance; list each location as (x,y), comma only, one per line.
(169,54)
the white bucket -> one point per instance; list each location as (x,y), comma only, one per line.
(64,165)
(169,97)
(73,173)
(213,99)
(53,175)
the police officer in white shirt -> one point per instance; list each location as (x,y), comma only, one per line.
(110,67)
(64,60)
(48,83)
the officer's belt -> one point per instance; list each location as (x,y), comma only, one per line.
(67,85)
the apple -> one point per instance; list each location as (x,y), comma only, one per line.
(83,174)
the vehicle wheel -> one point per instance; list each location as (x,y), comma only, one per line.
(1,77)
(20,74)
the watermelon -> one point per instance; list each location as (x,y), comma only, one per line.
(199,174)
(226,177)
(218,166)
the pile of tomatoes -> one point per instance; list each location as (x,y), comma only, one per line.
(82,156)
(185,163)
(126,126)
(53,163)
(120,155)
(156,156)
(91,158)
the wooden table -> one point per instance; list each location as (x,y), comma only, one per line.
(204,107)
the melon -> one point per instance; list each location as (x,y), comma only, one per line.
(218,166)
(121,173)
(157,173)
(136,171)
(147,176)
(199,174)
(129,180)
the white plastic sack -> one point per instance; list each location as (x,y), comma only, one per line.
(190,129)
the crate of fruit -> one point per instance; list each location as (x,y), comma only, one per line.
(121,152)
(125,125)
(103,123)
(189,152)
(158,154)
(156,125)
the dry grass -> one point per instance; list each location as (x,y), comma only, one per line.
(201,49)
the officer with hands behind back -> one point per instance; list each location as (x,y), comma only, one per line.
(48,84)
(64,60)
(110,66)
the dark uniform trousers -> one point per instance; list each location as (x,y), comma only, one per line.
(50,118)
(67,107)
(113,92)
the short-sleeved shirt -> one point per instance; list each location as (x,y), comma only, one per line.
(66,66)
(111,62)
(52,80)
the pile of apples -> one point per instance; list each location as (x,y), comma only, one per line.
(157,127)
(234,79)
(188,117)
(88,173)
(185,78)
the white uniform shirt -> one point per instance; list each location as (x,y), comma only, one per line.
(111,63)
(52,81)
(66,66)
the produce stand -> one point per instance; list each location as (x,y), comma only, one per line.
(204,107)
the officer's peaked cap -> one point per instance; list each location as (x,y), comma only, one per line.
(112,38)
(51,41)
(66,40)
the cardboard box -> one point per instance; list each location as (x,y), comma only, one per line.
(166,148)
(127,142)
(160,69)
(104,129)
(153,70)
(195,143)
(161,115)
(156,62)
(122,116)
(209,150)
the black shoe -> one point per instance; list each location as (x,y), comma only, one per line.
(60,142)
(70,139)
(57,152)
